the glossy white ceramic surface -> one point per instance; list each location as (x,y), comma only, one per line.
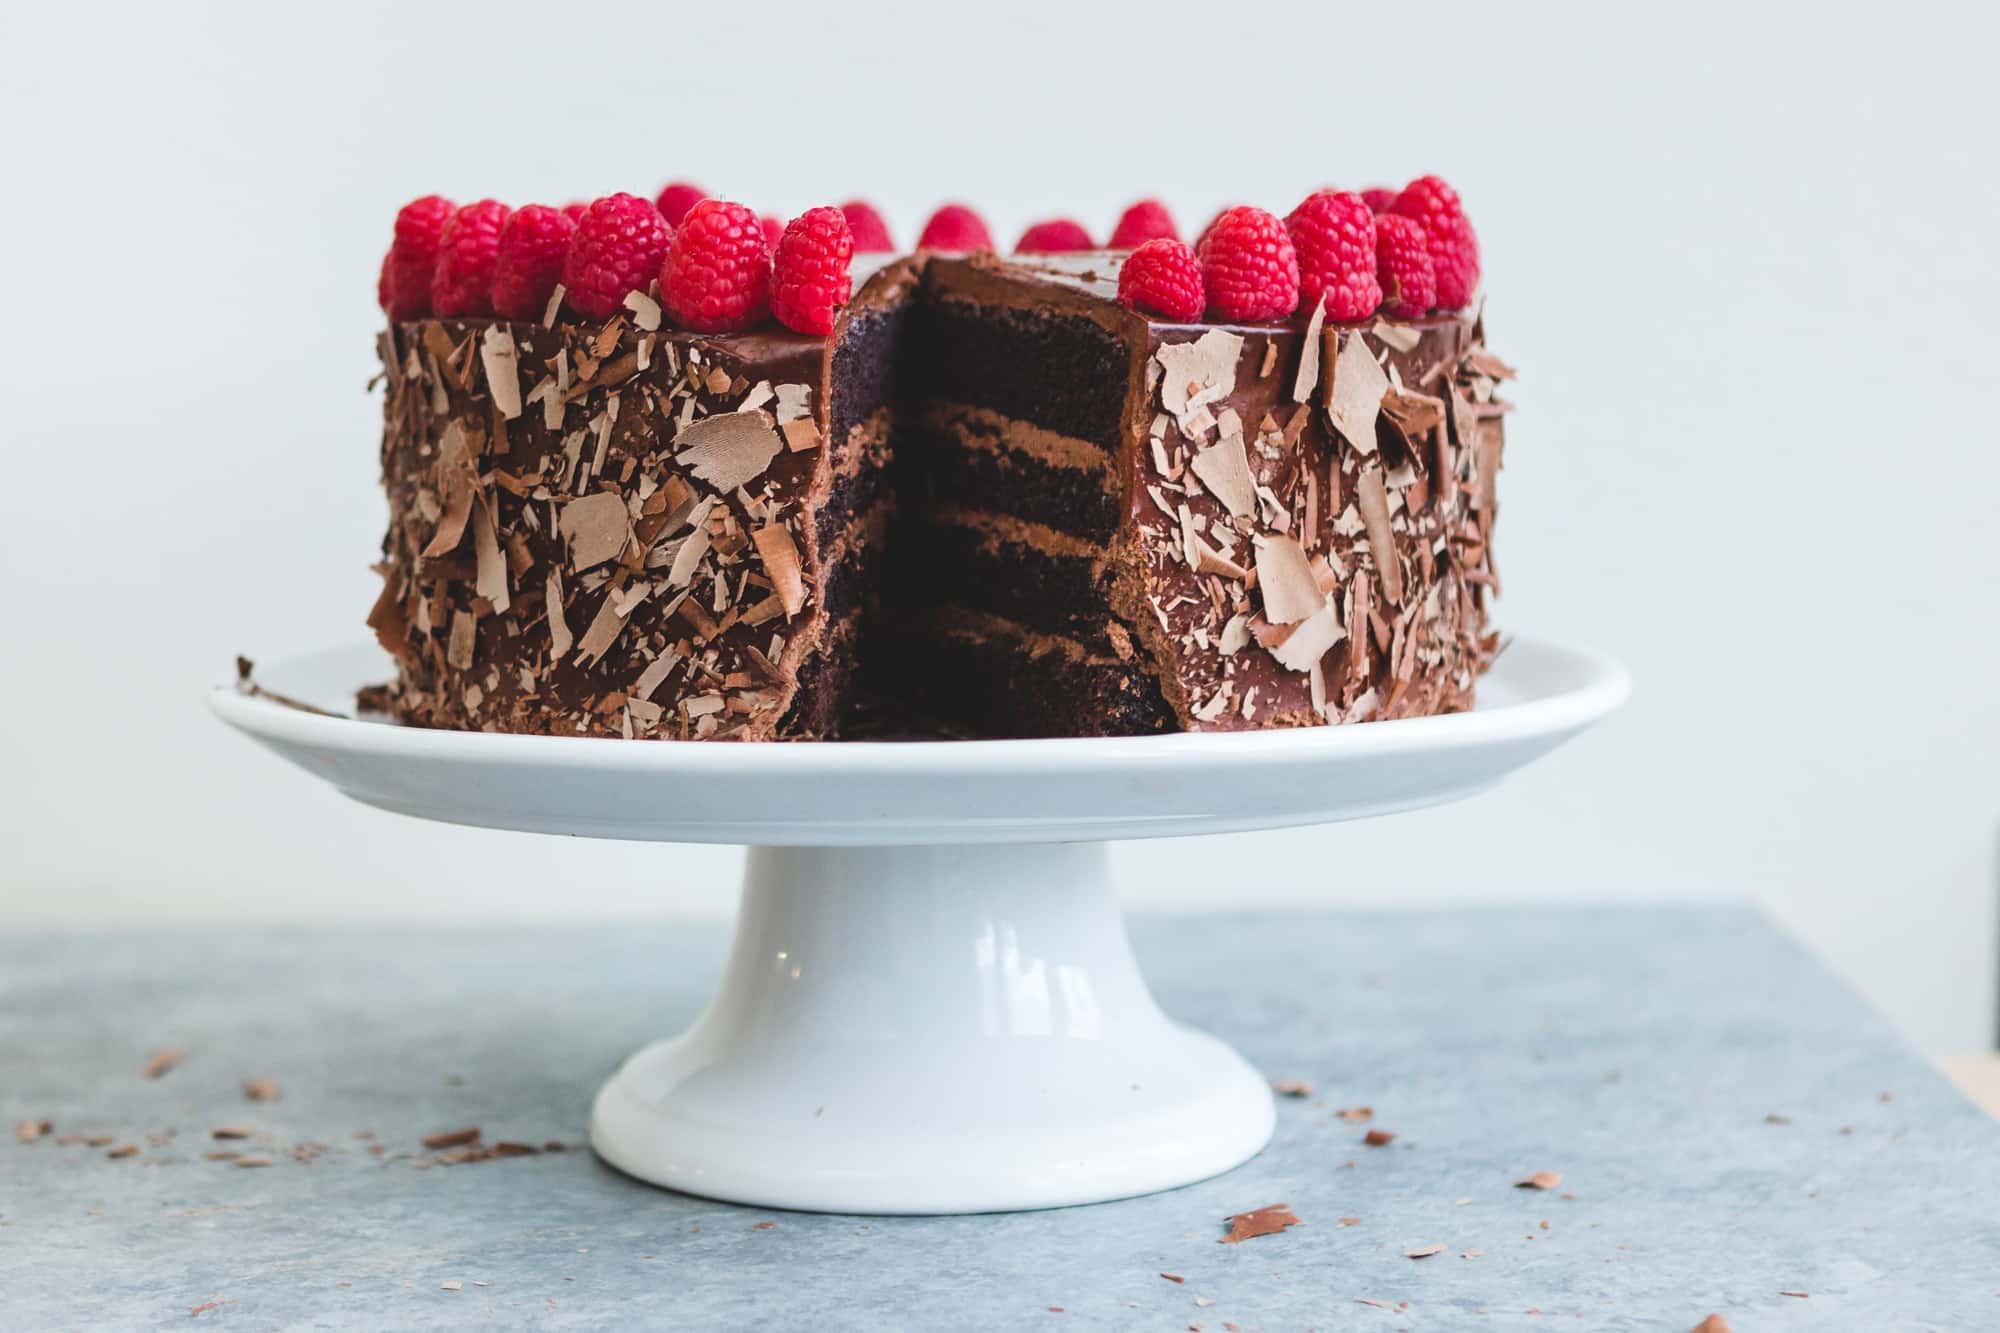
(1537,695)
(930,1005)
(931,1029)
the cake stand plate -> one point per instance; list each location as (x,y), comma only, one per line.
(930,1005)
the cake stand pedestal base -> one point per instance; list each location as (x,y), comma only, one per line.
(931,1030)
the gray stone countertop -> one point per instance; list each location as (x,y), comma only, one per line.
(1734,1131)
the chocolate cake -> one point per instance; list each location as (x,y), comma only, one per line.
(994,501)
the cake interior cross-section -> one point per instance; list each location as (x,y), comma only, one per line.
(735,480)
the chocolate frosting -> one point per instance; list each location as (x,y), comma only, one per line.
(613,530)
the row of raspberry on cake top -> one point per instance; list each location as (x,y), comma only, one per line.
(718,267)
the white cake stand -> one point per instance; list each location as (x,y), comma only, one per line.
(930,1005)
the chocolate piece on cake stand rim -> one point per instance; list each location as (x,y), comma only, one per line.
(626,565)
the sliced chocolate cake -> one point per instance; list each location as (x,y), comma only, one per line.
(1108,525)
(994,500)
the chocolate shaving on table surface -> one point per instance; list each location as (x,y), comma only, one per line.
(1265,1221)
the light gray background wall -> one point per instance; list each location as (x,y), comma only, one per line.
(1742,254)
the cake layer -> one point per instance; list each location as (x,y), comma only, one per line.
(973,457)
(1042,579)
(858,473)
(1041,364)
(987,676)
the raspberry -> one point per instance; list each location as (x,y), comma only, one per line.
(717,274)
(1201,240)
(871,233)
(676,198)
(413,255)
(616,250)
(1379,198)
(1055,237)
(1403,267)
(1454,249)
(462,282)
(810,281)
(1249,268)
(1144,221)
(955,227)
(1162,277)
(575,211)
(533,246)
(774,228)
(1334,235)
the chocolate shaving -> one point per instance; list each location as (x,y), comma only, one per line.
(596,529)
(688,557)
(245,685)
(163,1060)
(503,373)
(490,580)
(730,449)
(1355,398)
(264,1089)
(1399,336)
(609,621)
(1208,560)
(1197,373)
(604,376)
(794,401)
(1308,378)
(1285,578)
(781,564)
(451,1138)
(1225,469)
(800,434)
(1374,502)
(1541,1180)
(1266,1221)
(459,480)
(560,638)
(461,641)
(1414,415)
(645,311)
(1308,643)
